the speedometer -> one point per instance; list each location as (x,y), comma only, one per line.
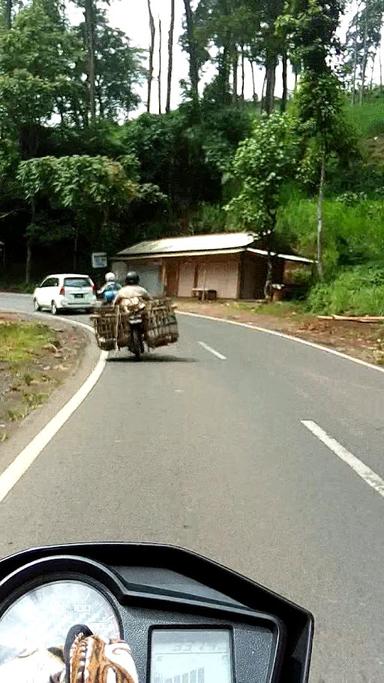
(39,620)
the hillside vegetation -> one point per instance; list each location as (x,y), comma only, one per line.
(304,170)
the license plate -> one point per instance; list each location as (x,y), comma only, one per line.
(79,296)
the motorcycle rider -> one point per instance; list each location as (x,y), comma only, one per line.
(109,290)
(131,290)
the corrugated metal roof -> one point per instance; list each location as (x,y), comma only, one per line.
(190,244)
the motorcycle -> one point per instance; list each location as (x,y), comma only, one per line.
(185,618)
(136,332)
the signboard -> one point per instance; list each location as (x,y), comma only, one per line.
(99,259)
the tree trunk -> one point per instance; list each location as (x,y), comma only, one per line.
(28,260)
(8,14)
(152,31)
(89,16)
(381,70)
(160,65)
(284,97)
(263,91)
(235,65)
(320,200)
(28,263)
(75,249)
(242,74)
(354,70)
(372,70)
(270,72)
(254,95)
(268,279)
(170,56)
(192,51)
(365,58)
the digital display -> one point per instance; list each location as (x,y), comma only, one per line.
(191,656)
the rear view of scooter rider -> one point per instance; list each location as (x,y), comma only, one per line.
(109,290)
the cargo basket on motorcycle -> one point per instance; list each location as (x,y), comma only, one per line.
(160,324)
(111,327)
(111,324)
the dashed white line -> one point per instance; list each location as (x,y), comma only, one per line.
(211,350)
(359,467)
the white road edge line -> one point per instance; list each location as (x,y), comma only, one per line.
(362,470)
(289,337)
(211,350)
(26,458)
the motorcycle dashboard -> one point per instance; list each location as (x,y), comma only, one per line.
(180,629)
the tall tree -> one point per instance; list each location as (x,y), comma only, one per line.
(263,163)
(152,31)
(160,72)
(170,56)
(34,83)
(313,25)
(90,25)
(8,6)
(192,49)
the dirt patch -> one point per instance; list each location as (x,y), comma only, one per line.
(35,358)
(361,340)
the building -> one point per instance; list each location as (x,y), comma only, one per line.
(231,264)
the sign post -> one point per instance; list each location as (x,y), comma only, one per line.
(99,260)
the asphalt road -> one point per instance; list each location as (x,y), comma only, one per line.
(212,454)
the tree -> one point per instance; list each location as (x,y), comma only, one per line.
(192,49)
(170,56)
(160,65)
(90,22)
(152,31)
(88,187)
(263,164)
(362,41)
(319,104)
(34,83)
(8,6)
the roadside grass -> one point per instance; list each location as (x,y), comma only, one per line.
(22,379)
(281,309)
(20,341)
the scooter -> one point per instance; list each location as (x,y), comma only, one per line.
(185,618)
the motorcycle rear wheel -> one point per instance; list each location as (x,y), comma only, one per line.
(136,344)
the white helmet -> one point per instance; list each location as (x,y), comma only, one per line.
(110,277)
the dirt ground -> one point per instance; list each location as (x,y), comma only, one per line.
(361,340)
(28,379)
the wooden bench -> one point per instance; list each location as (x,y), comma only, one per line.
(204,294)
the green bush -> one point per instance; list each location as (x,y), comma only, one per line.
(355,291)
(353,230)
(368,118)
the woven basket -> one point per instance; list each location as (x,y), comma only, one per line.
(111,328)
(160,323)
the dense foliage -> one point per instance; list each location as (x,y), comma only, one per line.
(304,167)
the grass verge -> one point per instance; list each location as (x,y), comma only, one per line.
(34,359)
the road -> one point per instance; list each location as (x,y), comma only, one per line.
(211,453)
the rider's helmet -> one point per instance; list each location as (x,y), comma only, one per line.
(110,277)
(132,278)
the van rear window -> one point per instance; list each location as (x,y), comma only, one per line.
(78,282)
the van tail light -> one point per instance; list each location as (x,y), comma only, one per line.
(62,291)
(94,289)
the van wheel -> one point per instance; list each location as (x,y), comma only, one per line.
(53,308)
(36,306)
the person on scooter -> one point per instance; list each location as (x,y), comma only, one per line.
(109,290)
(131,290)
